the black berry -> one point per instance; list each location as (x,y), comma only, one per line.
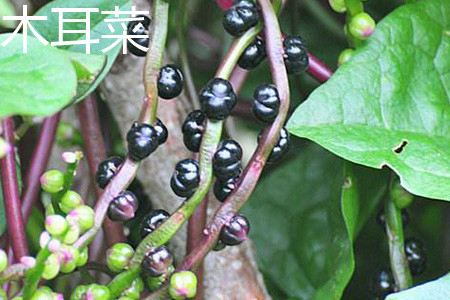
(217,99)
(142,141)
(266,103)
(106,170)
(156,262)
(295,55)
(152,221)
(253,55)
(219,246)
(236,231)
(170,82)
(186,178)
(281,148)
(241,16)
(161,131)
(416,256)
(123,207)
(381,218)
(138,28)
(382,283)
(223,188)
(227,160)
(193,130)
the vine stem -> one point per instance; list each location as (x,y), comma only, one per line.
(269,138)
(13,206)
(96,153)
(318,70)
(394,229)
(39,162)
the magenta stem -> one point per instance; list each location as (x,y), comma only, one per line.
(94,148)
(13,206)
(318,70)
(38,163)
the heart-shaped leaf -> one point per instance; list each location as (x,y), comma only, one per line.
(50,31)
(439,289)
(302,226)
(390,104)
(40,82)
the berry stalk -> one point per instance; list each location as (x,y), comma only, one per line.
(394,229)
(13,206)
(318,70)
(38,164)
(269,138)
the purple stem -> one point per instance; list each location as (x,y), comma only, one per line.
(13,206)
(269,138)
(318,70)
(38,164)
(94,148)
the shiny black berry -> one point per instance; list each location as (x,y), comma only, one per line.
(161,131)
(382,283)
(170,82)
(381,218)
(157,261)
(266,103)
(236,231)
(416,256)
(217,99)
(295,55)
(123,207)
(142,141)
(281,148)
(152,221)
(106,170)
(193,130)
(241,16)
(253,55)
(227,160)
(186,178)
(223,188)
(138,28)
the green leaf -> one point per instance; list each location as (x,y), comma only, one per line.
(40,82)
(7,9)
(440,289)
(50,30)
(302,226)
(389,105)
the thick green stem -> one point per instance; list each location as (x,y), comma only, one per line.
(33,275)
(394,229)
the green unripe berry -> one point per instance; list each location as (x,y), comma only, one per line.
(70,200)
(338,5)
(78,293)
(183,285)
(134,291)
(68,257)
(43,293)
(72,234)
(83,258)
(52,181)
(17,298)
(97,292)
(56,224)
(361,26)
(51,268)
(3,260)
(84,215)
(401,197)
(118,256)
(345,56)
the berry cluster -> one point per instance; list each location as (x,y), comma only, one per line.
(240,17)
(227,167)
(185,178)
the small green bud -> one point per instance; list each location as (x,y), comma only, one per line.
(401,197)
(338,5)
(72,234)
(118,256)
(84,256)
(68,257)
(52,181)
(78,293)
(183,285)
(51,268)
(3,260)
(97,292)
(154,283)
(345,56)
(84,215)
(361,26)
(56,224)
(70,200)
(43,293)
